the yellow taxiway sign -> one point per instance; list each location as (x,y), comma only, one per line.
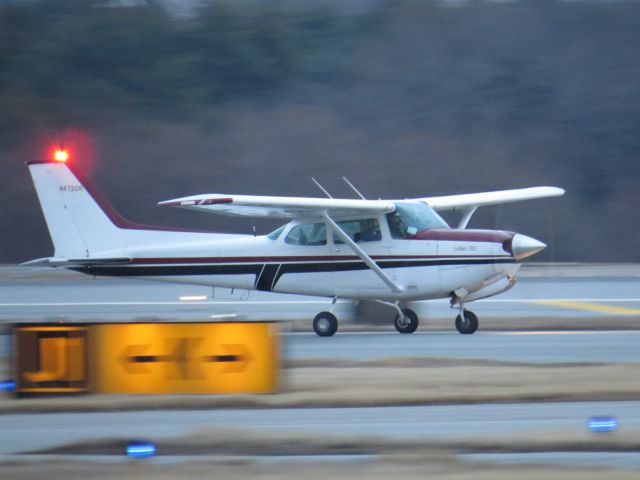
(185,358)
(50,359)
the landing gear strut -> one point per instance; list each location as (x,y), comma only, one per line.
(466,322)
(325,324)
(407,322)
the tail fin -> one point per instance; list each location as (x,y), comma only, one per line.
(81,223)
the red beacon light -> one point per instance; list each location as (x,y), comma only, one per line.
(61,155)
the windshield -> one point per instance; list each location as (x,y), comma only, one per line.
(410,218)
(276,233)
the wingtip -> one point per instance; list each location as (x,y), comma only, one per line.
(552,191)
(170,203)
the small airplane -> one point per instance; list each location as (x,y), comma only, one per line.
(389,251)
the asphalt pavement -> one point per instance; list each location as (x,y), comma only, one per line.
(537,347)
(554,292)
(36,431)
(514,346)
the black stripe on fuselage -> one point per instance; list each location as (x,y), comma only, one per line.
(268,277)
(268,274)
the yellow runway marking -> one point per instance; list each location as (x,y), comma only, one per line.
(550,332)
(588,306)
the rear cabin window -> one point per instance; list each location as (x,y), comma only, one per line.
(307,234)
(367,230)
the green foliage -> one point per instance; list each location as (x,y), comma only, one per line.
(64,62)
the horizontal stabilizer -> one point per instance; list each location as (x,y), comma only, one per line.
(38,262)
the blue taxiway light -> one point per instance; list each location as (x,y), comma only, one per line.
(7,386)
(602,424)
(140,449)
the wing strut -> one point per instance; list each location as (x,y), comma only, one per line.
(467,214)
(361,253)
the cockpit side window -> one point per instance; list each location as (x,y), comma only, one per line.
(307,234)
(366,230)
(397,226)
(410,218)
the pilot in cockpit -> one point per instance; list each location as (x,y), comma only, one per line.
(397,226)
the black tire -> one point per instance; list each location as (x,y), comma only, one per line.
(468,325)
(408,323)
(325,324)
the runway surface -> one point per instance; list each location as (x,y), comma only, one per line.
(29,432)
(556,293)
(517,347)
(543,291)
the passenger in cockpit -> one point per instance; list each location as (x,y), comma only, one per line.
(371,231)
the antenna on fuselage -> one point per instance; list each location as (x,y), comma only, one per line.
(353,188)
(321,187)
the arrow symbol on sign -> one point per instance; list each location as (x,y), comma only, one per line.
(234,358)
(133,358)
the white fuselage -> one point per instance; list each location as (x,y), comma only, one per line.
(442,262)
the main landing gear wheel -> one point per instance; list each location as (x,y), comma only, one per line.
(407,323)
(467,322)
(325,324)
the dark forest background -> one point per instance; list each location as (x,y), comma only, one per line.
(405,98)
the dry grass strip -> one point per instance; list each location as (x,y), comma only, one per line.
(390,382)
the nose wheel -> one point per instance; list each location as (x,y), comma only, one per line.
(407,322)
(466,322)
(325,324)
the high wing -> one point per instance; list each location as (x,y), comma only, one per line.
(468,203)
(282,207)
(469,200)
(301,207)
(332,209)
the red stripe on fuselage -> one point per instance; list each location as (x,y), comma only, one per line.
(289,259)
(454,235)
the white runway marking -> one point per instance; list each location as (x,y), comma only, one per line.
(540,301)
(105,304)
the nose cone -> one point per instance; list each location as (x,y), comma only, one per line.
(523,246)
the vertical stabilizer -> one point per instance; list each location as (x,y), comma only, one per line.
(79,226)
